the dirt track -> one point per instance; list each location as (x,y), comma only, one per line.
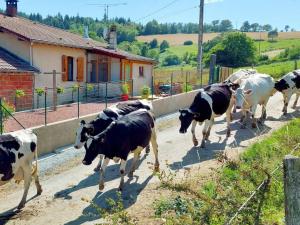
(64,187)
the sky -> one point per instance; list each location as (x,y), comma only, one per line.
(278,13)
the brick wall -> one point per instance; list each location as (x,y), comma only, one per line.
(10,82)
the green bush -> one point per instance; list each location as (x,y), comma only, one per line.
(60,90)
(40,91)
(145,91)
(187,87)
(171,60)
(263,58)
(164,45)
(5,115)
(125,89)
(19,93)
(189,42)
(153,43)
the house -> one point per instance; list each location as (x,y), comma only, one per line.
(73,57)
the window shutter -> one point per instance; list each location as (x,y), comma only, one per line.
(80,69)
(64,69)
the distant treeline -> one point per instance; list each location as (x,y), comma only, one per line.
(128,30)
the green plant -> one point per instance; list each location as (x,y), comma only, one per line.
(189,42)
(164,45)
(19,93)
(75,87)
(145,91)
(60,90)
(125,89)
(40,91)
(171,60)
(6,109)
(187,87)
(89,87)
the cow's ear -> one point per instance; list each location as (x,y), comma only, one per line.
(82,122)
(248,92)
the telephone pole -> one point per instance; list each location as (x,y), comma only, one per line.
(200,38)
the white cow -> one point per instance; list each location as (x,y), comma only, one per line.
(17,152)
(289,85)
(254,90)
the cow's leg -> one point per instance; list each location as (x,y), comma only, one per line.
(148,149)
(296,100)
(97,168)
(27,181)
(37,182)
(122,173)
(195,141)
(253,110)
(204,132)
(209,128)
(136,157)
(263,112)
(228,120)
(102,173)
(243,119)
(155,149)
(287,98)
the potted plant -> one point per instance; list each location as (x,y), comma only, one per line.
(60,90)
(146,91)
(74,89)
(18,94)
(125,91)
(39,92)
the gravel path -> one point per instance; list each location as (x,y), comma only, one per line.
(66,182)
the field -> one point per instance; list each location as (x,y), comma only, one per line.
(178,39)
(266,46)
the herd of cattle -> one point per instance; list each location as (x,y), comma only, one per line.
(129,127)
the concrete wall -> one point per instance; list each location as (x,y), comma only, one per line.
(140,81)
(12,44)
(61,134)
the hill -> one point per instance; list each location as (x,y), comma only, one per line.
(178,39)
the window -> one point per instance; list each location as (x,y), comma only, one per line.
(141,71)
(70,68)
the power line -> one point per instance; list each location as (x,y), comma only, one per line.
(158,10)
(178,12)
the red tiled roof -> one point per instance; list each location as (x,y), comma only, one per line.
(40,33)
(12,63)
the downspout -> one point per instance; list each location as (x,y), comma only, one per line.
(33,79)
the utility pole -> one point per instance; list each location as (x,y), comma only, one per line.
(200,38)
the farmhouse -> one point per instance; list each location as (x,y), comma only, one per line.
(75,58)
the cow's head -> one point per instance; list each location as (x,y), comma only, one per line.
(281,85)
(186,117)
(240,96)
(82,134)
(94,146)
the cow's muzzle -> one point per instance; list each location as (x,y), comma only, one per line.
(84,162)
(182,131)
(238,107)
(76,146)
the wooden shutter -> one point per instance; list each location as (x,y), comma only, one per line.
(64,69)
(80,69)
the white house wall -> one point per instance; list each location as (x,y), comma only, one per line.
(139,81)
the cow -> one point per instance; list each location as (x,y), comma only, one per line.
(289,85)
(17,152)
(238,75)
(209,103)
(129,134)
(104,119)
(253,91)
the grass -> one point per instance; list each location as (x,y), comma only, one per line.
(266,46)
(219,198)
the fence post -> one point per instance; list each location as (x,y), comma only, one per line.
(1,117)
(171,89)
(131,88)
(86,92)
(212,66)
(296,65)
(46,90)
(54,91)
(291,166)
(186,79)
(78,100)
(152,87)
(106,83)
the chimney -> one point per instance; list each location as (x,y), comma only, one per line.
(86,32)
(11,8)
(112,37)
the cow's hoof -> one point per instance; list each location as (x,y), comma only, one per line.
(120,189)
(39,191)
(130,174)
(21,205)
(156,168)
(231,117)
(228,133)
(284,113)
(97,169)
(234,110)
(294,107)
(101,187)
(254,125)
(202,144)
(148,149)
(195,142)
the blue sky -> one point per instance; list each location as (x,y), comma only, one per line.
(275,12)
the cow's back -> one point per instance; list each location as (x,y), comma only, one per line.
(221,95)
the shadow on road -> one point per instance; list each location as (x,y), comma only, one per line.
(111,173)
(132,189)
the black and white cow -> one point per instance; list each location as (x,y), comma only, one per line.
(129,134)
(104,119)
(17,152)
(211,102)
(289,85)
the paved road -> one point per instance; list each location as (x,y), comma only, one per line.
(64,188)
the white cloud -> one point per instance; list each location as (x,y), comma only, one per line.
(212,1)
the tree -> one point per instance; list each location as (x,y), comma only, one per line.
(164,45)
(215,25)
(235,50)
(153,43)
(254,27)
(152,27)
(188,42)
(171,60)
(153,54)
(287,27)
(267,27)
(225,25)
(246,27)
(273,34)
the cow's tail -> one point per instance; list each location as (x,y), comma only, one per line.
(35,167)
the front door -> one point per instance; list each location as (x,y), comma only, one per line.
(103,72)
(127,72)
(93,72)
